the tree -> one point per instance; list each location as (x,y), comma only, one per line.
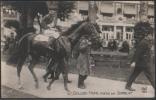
(143,11)
(92,12)
(61,9)
(142,27)
(28,11)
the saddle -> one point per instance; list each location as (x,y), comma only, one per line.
(44,41)
(47,38)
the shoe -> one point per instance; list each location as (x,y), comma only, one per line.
(129,88)
(81,86)
(44,78)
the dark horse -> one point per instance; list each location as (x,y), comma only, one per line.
(60,49)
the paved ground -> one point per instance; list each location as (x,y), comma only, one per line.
(13,93)
(96,87)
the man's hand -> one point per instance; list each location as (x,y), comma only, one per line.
(133,64)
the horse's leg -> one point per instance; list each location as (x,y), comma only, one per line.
(57,75)
(50,83)
(65,74)
(31,68)
(67,64)
(46,75)
(19,68)
(5,48)
(48,70)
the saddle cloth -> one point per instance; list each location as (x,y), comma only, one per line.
(41,37)
(46,35)
(42,40)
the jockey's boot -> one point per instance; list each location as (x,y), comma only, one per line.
(84,78)
(81,82)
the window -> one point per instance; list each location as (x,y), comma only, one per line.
(127,36)
(104,36)
(129,16)
(107,14)
(107,36)
(83,12)
(129,29)
(107,28)
(119,11)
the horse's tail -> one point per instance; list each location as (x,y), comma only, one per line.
(23,41)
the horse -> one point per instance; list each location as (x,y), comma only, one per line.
(59,50)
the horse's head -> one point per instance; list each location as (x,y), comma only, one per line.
(93,31)
(84,28)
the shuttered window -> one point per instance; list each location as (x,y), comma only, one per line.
(107,7)
(130,9)
(83,5)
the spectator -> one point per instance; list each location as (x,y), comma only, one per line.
(110,45)
(142,62)
(125,47)
(115,47)
(83,62)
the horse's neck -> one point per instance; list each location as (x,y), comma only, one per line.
(74,37)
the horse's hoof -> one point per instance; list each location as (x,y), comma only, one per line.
(45,79)
(67,89)
(69,81)
(48,88)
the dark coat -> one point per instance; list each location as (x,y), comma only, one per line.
(83,58)
(143,53)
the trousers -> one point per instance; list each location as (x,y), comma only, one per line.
(137,71)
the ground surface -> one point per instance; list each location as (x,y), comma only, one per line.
(13,93)
(96,87)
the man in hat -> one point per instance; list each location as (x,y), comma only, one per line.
(142,61)
(83,61)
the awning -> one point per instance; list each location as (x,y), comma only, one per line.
(83,5)
(130,9)
(150,11)
(107,8)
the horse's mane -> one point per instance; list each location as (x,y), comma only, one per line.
(72,28)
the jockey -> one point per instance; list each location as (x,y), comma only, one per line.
(48,27)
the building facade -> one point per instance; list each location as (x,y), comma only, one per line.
(117,18)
